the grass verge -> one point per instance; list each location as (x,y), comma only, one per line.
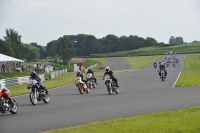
(190,74)
(141,61)
(177,121)
(188,78)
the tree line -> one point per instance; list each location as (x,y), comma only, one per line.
(89,44)
(12,46)
(79,45)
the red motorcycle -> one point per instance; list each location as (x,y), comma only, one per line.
(82,87)
(5,105)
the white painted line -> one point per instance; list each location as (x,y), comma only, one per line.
(179,72)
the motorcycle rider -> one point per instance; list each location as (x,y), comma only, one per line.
(39,80)
(162,67)
(155,64)
(90,71)
(6,93)
(110,73)
(78,73)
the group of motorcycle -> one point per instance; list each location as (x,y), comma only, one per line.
(85,87)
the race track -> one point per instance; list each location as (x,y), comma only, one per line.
(141,92)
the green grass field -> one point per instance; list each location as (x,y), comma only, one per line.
(179,121)
(190,73)
(141,61)
(192,61)
(180,48)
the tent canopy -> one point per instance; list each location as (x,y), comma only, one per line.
(5,58)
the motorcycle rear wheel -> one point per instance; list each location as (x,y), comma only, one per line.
(117,90)
(46,100)
(88,90)
(14,110)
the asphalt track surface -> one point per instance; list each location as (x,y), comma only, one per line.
(116,63)
(141,92)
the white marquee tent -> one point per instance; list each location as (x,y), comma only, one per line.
(5,58)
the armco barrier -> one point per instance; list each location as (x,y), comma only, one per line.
(9,82)
(58,73)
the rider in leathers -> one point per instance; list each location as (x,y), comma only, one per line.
(39,80)
(110,73)
(90,71)
(78,73)
(162,67)
(6,93)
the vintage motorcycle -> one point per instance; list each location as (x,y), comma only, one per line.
(82,87)
(162,75)
(37,93)
(5,105)
(155,66)
(90,81)
(111,86)
(174,63)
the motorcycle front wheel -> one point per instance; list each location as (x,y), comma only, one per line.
(2,109)
(80,88)
(33,99)
(163,78)
(109,89)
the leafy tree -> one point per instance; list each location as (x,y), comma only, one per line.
(42,51)
(33,54)
(172,40)
(66,49)
(14,39)
(179,40)
(5,48)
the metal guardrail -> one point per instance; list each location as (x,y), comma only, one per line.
(58,73)
(9,82)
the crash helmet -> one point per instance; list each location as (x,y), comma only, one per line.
(78,72)
(107,68)
(33,75)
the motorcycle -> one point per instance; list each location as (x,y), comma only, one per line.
(5,105)
(111,86)
(37,93)
(90,81)
(82,87)
(174,64)
(155,66)
(162,75)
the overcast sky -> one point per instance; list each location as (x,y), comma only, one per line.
(44,20)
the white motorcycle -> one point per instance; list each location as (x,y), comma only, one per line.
(111,86)
(37,94)
(90,81)
(82,87)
